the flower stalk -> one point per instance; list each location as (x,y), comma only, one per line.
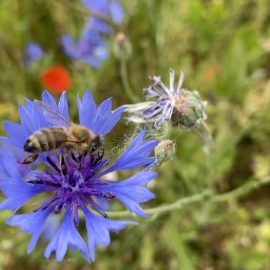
(207,194)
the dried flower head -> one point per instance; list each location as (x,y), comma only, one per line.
(182,107)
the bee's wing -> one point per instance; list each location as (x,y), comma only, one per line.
(53,116)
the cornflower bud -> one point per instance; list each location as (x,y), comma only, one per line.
(122,47)
(189,109)
(165,151)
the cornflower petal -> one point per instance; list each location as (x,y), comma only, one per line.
(111,120)
(107,8)
(136,155)
(63,105)
(98,229)
(101,26)
(95,6)
(103,110)
(131,191)
(48,99)
(70,47)
(8,165)
(31,223)
(17,193)
(105,120)
(101,120)
(87,109)
(33,52)
(116,12)
(90,48)
(17,135)
(65,236)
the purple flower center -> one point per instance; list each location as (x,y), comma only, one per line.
(73,181)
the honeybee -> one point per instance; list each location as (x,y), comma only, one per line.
(69,136)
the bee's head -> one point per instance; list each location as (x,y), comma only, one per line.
(96,143)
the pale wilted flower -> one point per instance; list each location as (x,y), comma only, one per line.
(183,107)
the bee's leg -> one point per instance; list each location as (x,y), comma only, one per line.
(62,164)
(92,148)
(29,159)
(98,156)
(75,158)
(101,152)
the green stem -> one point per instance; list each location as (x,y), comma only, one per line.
(125,81)
(168,207)
(207,194)
(207,139)
(242,190)
(205,134)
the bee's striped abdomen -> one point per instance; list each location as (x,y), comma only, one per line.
(46,139)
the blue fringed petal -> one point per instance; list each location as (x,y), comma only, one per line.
(135,156)
(101,120)
(70,47)
(87,109)
(48,99)
(31,223)
(106,123)
(117,12)
(17,193)
(131,191)
(66,236)
(16,133)
(63,105)
(98,230)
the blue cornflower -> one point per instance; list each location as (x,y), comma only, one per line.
(33,52)
(109,9)
(72,182)
(183,107)
(90,48)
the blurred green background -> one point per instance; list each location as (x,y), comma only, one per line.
(224,49)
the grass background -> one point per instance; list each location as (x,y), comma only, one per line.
(224,49)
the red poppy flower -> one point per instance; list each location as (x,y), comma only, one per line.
(56,79)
